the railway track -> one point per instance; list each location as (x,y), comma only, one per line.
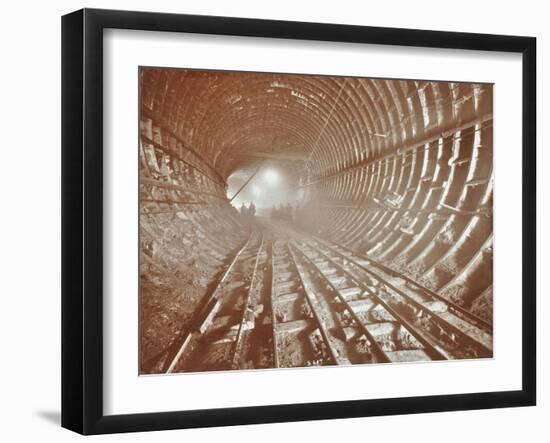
(452,331)
(217,339)
(371,330)
(300,336)
(377,268)
(294,300)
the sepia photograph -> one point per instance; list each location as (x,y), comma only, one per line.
(297,221)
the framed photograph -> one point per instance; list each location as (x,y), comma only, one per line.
(269,221)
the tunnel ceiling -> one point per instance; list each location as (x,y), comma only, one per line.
(317,124)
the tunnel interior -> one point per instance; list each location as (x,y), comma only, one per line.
(398,172)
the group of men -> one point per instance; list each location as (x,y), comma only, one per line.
(248,212)
(283,212)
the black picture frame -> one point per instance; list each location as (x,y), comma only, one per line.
(82,218)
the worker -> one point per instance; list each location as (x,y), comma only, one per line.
(288,212)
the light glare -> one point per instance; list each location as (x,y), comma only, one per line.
(271,177)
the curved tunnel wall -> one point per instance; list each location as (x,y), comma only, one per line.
(400,170)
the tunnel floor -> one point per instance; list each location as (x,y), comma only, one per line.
(288,298)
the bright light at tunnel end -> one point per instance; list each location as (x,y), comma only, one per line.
(271,176)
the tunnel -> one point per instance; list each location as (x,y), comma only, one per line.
(291,220)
